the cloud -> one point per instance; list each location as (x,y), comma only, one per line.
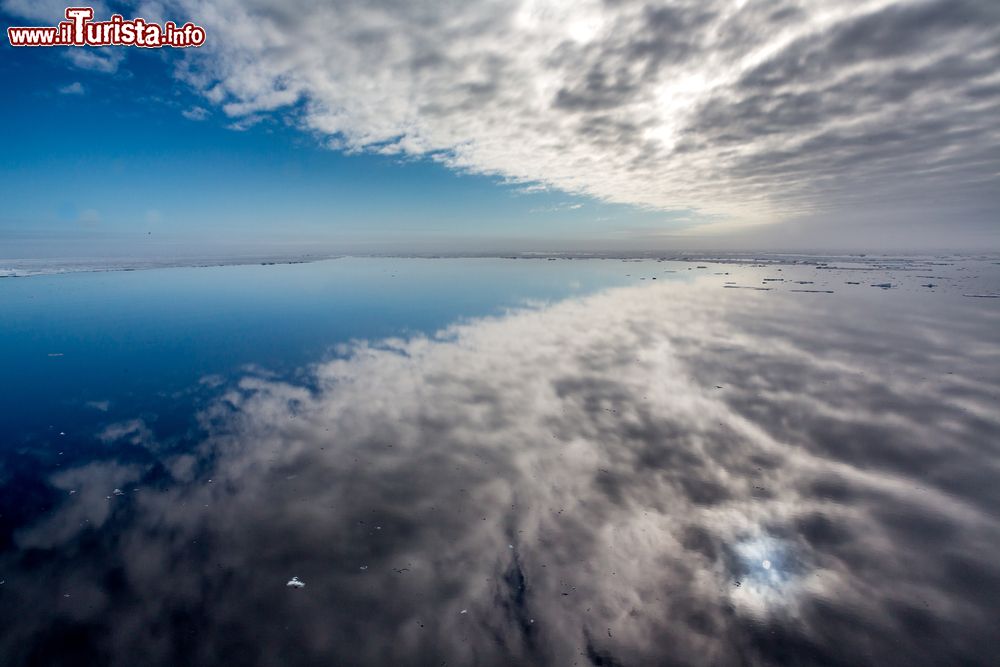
(46,12)
(104,60)
(50,13)
(561,206)
(134,432)
(754,111)
(650,475)
(195,113)
(75,88)
(90,488)
(244,123)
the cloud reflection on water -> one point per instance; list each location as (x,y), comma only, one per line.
(652,475)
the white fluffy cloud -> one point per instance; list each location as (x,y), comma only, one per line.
(751,110)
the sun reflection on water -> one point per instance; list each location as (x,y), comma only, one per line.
(767,574)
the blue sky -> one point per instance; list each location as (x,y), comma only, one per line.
(354,126)
(99,162)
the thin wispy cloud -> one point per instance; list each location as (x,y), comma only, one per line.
(562,206)
(96,60)
(195,113)
(75,88)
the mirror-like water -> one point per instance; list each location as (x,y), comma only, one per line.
(584,466)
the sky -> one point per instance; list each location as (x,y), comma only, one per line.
(399,126)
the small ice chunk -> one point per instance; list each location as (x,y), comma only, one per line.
(766,564)
(118,492)
(464,611)
(296,583)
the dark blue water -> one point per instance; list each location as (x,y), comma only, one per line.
(132,339)
(502,462)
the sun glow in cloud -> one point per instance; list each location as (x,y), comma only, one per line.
(750,111)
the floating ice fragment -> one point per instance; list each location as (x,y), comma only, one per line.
(295,583)
(766,564)
(118,492)
(464,611)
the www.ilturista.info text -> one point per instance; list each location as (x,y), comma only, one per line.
(80,30)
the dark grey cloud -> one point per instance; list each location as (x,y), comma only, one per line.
(652,475)
(879,108)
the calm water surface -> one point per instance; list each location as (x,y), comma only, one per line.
(502,462)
